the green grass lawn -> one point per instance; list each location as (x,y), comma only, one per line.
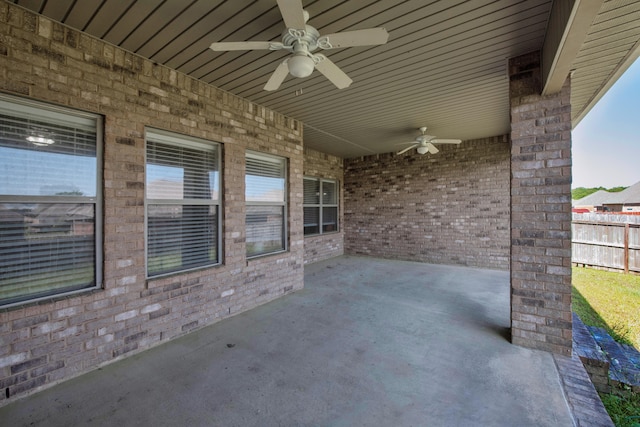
(624,410)
(611,300)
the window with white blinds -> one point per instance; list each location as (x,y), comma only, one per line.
(182,203)
(320,206)
(50,240)
(265,186)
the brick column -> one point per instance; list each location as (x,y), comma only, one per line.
(540,210)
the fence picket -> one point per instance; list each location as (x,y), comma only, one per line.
(606,240)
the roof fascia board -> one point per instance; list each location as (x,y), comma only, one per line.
(569,24)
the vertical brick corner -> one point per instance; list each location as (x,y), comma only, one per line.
(540,210)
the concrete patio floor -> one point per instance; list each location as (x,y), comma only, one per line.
(368,342)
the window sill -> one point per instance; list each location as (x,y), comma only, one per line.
(50,299)
(182,272)
(322,234)
(262,256)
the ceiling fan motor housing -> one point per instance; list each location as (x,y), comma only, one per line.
(307,37)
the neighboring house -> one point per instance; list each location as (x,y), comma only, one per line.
(591,203)
(627,200)
(105,106)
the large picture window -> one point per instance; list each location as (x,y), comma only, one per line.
(50,175)
(320,199)
(266,184)
(182,203)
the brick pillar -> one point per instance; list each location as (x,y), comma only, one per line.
(540,210)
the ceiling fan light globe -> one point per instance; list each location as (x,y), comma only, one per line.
(40,141)
(301,66)
(423,150)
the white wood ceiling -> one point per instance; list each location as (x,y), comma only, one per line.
(444,65)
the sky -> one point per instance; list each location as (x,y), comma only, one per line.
(606,143)
(45,173)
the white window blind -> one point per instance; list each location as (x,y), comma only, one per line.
(49,196)
(311,191)
(182,203)
(265,184)
(320,200)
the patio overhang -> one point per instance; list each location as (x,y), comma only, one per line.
(444,66)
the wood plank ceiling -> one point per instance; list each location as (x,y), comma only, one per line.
(444,65)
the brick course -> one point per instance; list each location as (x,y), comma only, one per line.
(541,210)
(57,339)
(324,246)
(447,208)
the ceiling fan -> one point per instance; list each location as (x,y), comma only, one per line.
(425,143)
(302,40)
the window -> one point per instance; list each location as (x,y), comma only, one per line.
(49,198)
(182,203)
(320,201)
(265,183)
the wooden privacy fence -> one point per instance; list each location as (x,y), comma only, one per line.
(606,240)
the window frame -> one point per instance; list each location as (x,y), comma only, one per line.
(69,116)
(321,205)
(180,140)
(284,203)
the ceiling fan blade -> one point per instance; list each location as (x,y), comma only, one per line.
(432,148)
(407,149)
(292,13)
(278,76)
(368,37)
(224,46)
(332,72)
(446,141)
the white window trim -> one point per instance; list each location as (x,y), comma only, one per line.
(321,205)
(68,116)
(284,203)
(176,139)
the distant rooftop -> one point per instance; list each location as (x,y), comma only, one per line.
(593,199)
(602,197)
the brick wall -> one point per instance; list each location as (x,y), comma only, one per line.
(323,246)
(448,208)
(54,340)
(541,210)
